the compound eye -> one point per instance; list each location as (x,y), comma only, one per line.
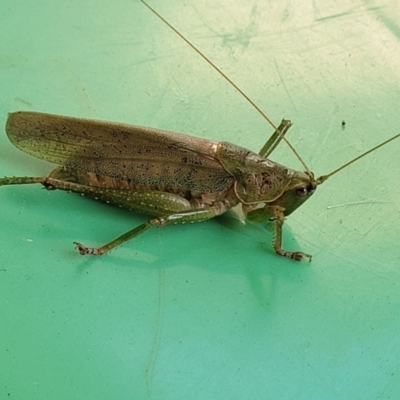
(302,192)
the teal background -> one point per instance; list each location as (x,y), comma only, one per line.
(206,311)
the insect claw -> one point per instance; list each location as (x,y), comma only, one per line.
(300,254)
(294,255)
(83,250)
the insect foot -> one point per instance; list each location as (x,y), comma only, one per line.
(294,255)
(87,250)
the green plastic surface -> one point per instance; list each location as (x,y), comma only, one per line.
(206,311)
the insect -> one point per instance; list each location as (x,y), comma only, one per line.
(174,177)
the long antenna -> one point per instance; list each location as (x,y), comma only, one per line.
(230,81)
(323,178)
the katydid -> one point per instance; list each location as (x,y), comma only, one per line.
(174,177)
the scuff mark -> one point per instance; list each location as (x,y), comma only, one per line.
(283,84)
(157,331)
(356,203)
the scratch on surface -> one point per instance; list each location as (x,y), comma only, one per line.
(307,364)
(355,264)
(355,203)
(76,85)
(156,339)
(349,12)
(240,36)
(26,102)
(283,84)
(157,105)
